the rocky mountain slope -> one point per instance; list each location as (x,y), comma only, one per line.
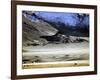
(38,31)
(32,30)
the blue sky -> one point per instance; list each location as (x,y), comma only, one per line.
(64,17)
(67,18)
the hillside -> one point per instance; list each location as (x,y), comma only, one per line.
(32,30)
